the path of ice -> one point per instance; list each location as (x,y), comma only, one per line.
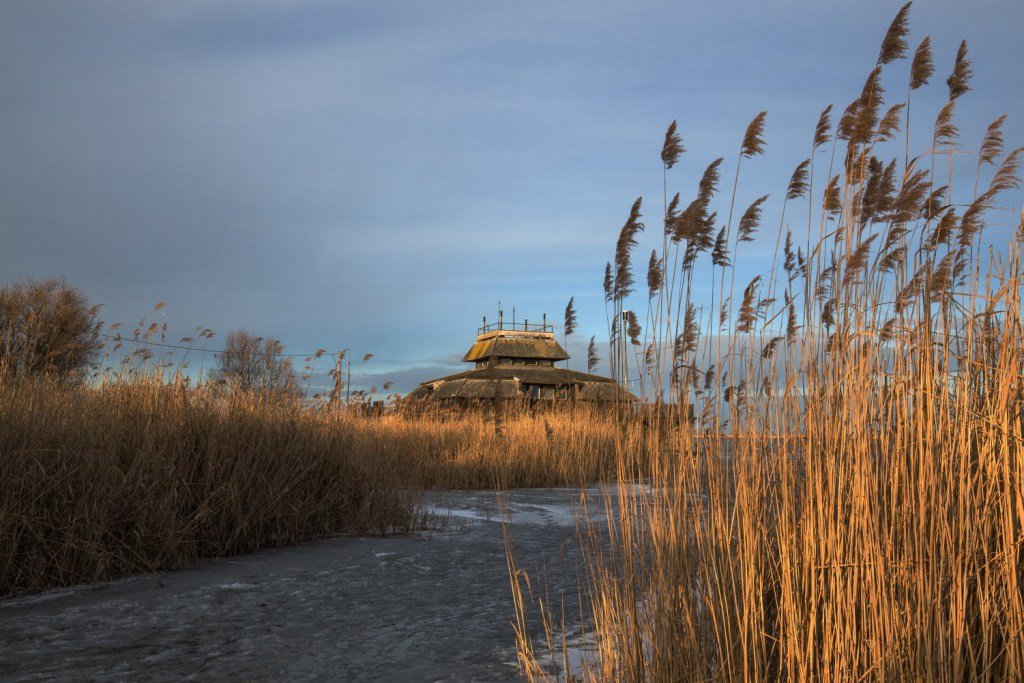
(432,607)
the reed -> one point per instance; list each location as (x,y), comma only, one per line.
(567,446)
(142,474)
(145,476)
(848,504)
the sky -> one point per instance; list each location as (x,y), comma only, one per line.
(377,175)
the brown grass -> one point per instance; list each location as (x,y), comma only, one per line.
(138,475)
(143,476)
(850,504)
(574,446)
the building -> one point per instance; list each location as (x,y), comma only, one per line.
(518,362)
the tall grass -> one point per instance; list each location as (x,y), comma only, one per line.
(850,503)
(138,474)
(563,446)
(143,476)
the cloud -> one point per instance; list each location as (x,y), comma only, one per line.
(378,175)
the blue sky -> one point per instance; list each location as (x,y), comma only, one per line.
(377,175)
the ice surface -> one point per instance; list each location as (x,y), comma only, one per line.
(435,606)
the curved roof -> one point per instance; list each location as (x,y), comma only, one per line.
(541,348)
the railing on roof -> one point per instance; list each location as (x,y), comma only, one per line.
(525,326)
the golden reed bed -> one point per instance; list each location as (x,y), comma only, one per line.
(139,475)
(882,538)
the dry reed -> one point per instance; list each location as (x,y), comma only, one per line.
(143,476)
(138,475)
(850,503)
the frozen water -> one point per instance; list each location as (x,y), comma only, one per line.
(430,607)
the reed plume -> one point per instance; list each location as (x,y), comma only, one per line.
(593,359)
(831,202)
(693,223)
(672,216)
(992,143)
(623,283)
(822,131)
(847,121)
(946,132)
(942,233)
(686,342)
(654,275)
(633,329)
(798,181)
(868,106)
(768,350)
(708,185)
(750,220)
(858,261)
(673,148)
(894,45)
(720,253)
(709,377)
(959,80)
(1007,177)
(890,123)
(570,317)
(935,202)
(877,197)
(753,138)
(922,67)
(747,313)
(791,325)
(828,317)
(911,203)
(939,278)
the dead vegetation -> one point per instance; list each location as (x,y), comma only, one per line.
(849,504)
(137,474)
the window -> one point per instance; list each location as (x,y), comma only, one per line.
(538,391)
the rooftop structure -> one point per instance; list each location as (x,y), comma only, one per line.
(518,361)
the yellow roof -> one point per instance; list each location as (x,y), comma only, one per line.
(544,348)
